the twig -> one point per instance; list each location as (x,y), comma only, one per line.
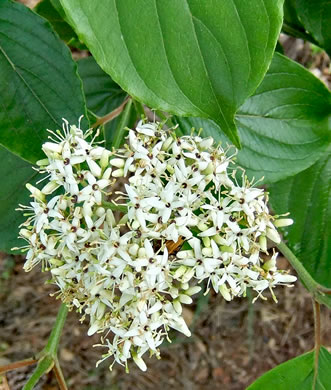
(107,118)
(250,324)
(318,292)
(19,364)
(5,383)
(317,347)
(59,375)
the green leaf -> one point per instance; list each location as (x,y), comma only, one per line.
(292,24)
(38,81)
(102,94)
(57,5)
(190,58)
(13,192)
(297,373)
(46,9)
(316,18)
(307,196)
(290,15)
(284,126)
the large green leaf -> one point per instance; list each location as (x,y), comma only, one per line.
(15,173)
(290,15)
(46,9)
(284,126)
(102,94)
(55,15)
(297,374)
(191,58)
(38,81)
(307,196)
(292,25)
(316,18)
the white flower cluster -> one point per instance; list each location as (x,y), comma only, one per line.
(185,221)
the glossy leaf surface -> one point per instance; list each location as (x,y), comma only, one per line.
(284,126)
(195,58)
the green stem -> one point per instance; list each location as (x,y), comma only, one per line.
(165,118)
(317,291)
(250,324)
(140,109)
(47,357)
(45,365)
(297,265)
(317,347)
(120,130)
(54,339)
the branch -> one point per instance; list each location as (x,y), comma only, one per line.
(59,376)
(107,118)
(317,291)
(19,364)
(47,358)
(317,347)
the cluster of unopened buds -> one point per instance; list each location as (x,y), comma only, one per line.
(184,224)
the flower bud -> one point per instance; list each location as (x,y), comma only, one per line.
(208,252)
(283,222)
(100,310)
(209,170)
(100,211)
(202,226)
(51,148)
(225,292)
(273,235)
(193,290)
(139,362)
(206,242)
(183,298)
(206,143)
(188,275)
(170,169)
(94,328)
(227,249)
(117,162)
(269,265)
(26,233)
(133,250)
(177,306)
(104,158)
(56,262)
(50,187)
(35,192)
(263,243)
(43,163)
(118,173)
(142,252)
(107,174)
(94,168)
(110,218)
(180,272)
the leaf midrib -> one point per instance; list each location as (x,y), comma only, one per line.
(33,93)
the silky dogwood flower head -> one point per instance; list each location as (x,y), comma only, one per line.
(185,223)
